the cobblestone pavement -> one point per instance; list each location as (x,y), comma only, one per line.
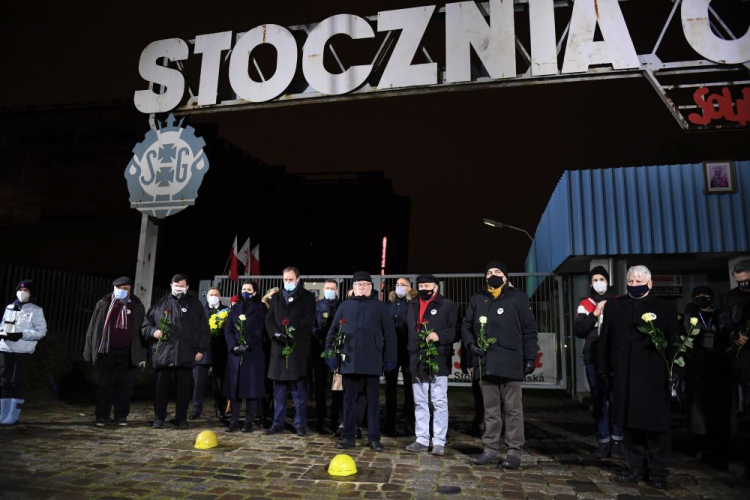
(56,452)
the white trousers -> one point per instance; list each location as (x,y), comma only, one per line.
(436,391)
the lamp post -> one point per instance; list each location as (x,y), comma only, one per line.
(500,225)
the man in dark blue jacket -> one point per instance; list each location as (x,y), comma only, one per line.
(325,310)
(369,342)
(398,302)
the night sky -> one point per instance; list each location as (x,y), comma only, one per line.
(460,156)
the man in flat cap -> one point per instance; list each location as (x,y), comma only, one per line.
(369,343)
(431,329)
(500,331)
(115,347)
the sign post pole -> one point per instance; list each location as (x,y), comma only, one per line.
(144,273)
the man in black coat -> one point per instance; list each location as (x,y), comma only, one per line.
(431,329)
(289,324)
(639,373)
(502,313)
(398,301)
(370,342)
(734,319)
(325,310)
(114,345)
(177,328)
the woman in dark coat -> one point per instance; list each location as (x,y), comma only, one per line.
(244,377)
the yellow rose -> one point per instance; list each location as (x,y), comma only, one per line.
(693,321)
(483,320)
(647,317)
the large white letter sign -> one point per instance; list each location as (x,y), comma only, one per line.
(543,42)
(494,44)
(148,101)
(211,46)
(616,49)
(286,63)
(312,55)
(399,72)
(698,33)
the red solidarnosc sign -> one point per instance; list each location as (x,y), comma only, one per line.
(720,107)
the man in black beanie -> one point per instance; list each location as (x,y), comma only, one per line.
(500,331)
(369,344)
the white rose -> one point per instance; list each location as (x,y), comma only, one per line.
(483,320)
(243,317)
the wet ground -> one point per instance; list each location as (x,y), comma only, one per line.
(56,452)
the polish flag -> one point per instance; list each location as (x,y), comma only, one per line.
(255,261)
(244,256)
(233,274)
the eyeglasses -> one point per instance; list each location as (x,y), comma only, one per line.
(363,284)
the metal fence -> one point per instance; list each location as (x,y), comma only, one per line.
(68,299)
(546,304)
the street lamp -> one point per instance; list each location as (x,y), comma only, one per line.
(500,225)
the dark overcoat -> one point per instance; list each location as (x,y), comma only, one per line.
(216,354)
(188,334)
(245,381)
(442,318)
(397,309)
(511,322)
(370,336)
(325,310)
(299,309)
(641,381)
(136,313)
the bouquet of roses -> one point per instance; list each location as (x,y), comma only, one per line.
(429,349)
(216,322)
(482,341)
(336,345)
(290,343)
(164,325)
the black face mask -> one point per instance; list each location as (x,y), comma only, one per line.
(495,281)
(637,291)
(426,294)
(703,302)
(744,286)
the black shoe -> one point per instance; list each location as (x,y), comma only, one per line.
(158,424)
(273,430)
(100,422)
(345,444)
(603,450)
(302,432)
(248,427)
(511,462)
(617,451)
(630,476)
(219,414)
(339,430)
(660,483)
(193,416)
(233,427)
(376,446)
(183,424)
(485,458)
(122,422)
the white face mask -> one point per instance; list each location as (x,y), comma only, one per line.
(22,296)
(179,290)
(600,286)
(401,290)
(212,300)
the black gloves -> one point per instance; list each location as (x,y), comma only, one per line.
(13,336)
(280,337)
(239,349)
(528,368)
(476,351)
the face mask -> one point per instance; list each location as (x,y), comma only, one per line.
(247,295)
(400,290)
(212,300)
(120,294)
(22,296)
(744,286)
(495,281)
(289,287)
(179,291)
(329,294)
(426,294)
(703,302)
(600,286)
(637,291)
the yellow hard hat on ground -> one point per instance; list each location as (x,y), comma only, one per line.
(342,465)
(206,440)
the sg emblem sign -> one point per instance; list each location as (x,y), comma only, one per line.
(166,170)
